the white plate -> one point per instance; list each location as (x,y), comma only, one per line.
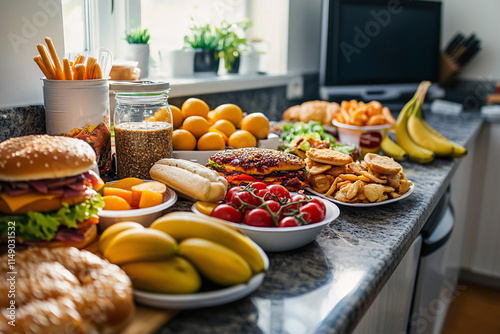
(392,200)
(206,298)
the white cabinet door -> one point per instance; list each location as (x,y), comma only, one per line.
(390,311)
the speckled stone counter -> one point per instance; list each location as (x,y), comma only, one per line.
(326,286)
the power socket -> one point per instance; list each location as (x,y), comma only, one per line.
(295,88)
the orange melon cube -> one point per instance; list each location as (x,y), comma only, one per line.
(115,203)
(149,199)
(125,194)
(153,186)
(126,183)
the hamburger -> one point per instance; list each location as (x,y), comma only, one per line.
(48,192)
(247,165)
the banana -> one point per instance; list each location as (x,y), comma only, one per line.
(113,231)
(420,131)
(390,148)
(415,151)
(458,150)
(183,225)
(175,275)
(140,245)
(218,263)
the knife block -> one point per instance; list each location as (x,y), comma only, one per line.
(448,71)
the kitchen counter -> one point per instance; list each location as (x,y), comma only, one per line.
(327,286)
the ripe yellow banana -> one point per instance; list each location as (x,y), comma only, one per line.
(420,131)
(458,150)
(415,151)
(390,148)
(140,245)
(113,231)
(183,225)
(218,263)
(175,275)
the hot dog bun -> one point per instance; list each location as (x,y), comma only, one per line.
(190,180)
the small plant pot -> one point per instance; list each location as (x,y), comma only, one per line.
(235,66)
(139,53)
(206,60)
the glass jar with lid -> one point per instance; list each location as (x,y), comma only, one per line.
(143,131)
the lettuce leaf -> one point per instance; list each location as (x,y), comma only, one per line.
(43,226)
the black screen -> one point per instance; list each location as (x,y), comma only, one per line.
(381,42)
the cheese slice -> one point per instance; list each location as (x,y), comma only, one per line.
(17,202)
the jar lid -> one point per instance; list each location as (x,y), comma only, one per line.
(141,86)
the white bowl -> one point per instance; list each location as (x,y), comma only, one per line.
(366,138)
(281,239)
(143,216)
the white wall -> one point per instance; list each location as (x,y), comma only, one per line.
(23,25)
(481,17)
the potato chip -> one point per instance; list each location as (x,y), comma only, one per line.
(319,183)
(315,168)
(373,177)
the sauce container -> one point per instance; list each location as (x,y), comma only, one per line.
(143,131)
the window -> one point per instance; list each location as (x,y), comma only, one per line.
(91,24)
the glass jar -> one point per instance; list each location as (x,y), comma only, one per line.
(143,132)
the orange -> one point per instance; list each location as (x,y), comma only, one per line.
(197,125)
(162,115)
(225,126)
(177,116)
(211,117)
(257,124)
(219,132)
(150,119)
(183,140)
(242,138)
(230,112)
(211,141)
(195,107)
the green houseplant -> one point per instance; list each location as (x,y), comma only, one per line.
(231,41)
(204,40)
(137,48)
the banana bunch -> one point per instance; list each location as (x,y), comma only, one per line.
(415,138)
(178,250)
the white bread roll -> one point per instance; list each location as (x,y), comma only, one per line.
(190,180)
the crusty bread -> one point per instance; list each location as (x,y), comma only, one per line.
(190,180)
(39,157)
(257,161)
(382,164)
(328,156)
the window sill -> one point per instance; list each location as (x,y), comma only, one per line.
(205,84)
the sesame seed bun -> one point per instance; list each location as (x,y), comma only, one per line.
(39,157)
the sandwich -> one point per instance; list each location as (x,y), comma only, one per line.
(48,192)
(190,180)
(247,165)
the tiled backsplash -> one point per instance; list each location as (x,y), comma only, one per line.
(272,101)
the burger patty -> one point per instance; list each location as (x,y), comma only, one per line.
(292,180)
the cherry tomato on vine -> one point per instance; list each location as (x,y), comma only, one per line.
(320,203)
(230,193)
(264,193)
(273,206)
(226,212)
(258,218)
(289,222)
(279,191)
(313,212)
(245,197)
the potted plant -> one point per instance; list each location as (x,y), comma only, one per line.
(138,48)
(204,40)
(231,41)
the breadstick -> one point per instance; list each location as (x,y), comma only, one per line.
(46,62)
(80,71)
(55,58)
(98,72)
(40,64)
(67,69)
(90,64)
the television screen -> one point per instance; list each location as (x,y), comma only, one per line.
(373,42)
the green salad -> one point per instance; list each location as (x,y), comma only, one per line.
(299,137)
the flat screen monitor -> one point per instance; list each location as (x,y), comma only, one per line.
(379,45)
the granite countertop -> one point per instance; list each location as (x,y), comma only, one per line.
(326,286)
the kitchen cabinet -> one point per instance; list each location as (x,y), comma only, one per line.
(390,311)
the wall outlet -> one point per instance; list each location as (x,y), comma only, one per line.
(295,88)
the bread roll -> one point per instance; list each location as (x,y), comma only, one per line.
(191,180)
